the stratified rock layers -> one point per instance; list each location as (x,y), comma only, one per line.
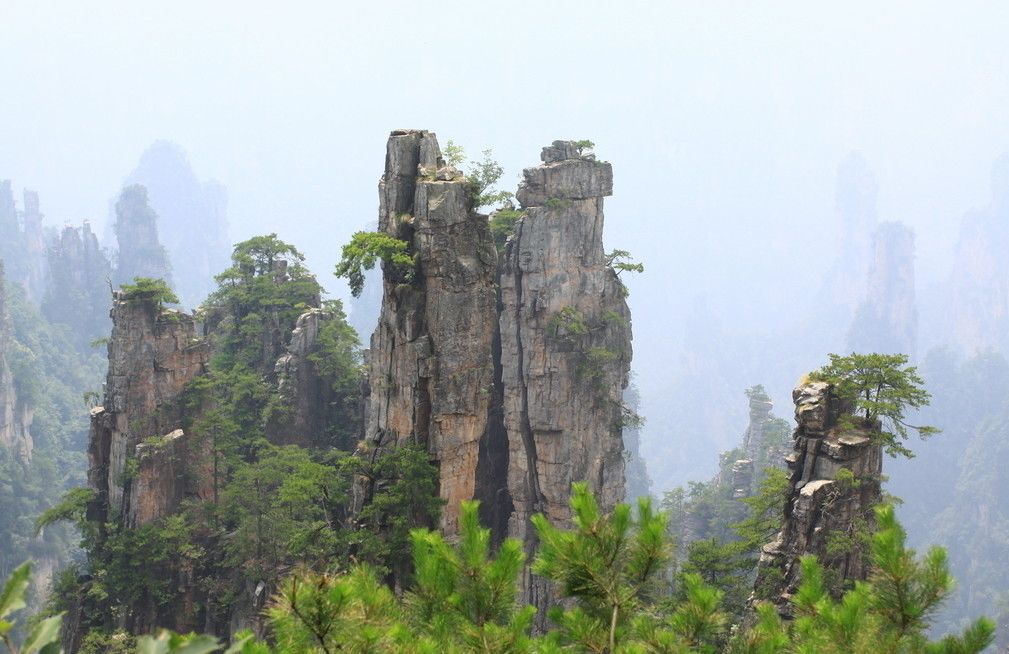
(431,366)
(565,342)
(512,376)
(136,440)
(825,506)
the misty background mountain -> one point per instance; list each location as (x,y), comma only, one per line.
(797,180)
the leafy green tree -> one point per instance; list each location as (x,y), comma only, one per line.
(405,498)
(464,595)
(621,261)
(44,636)
(608,564)
(891,613)
(368,248)
(153,292)
(286,508)
(881,387)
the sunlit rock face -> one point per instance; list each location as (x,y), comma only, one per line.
(15,415)
(192,218)
(565,345)
(981,271)
(153,354)
(887,319)
(431,363)
(835,483)
(511,373)
(140,251)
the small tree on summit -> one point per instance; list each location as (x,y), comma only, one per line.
(880,387)
(145,290)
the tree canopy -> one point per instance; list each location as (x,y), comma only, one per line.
(880,387)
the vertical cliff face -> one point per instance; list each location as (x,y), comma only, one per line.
(565,345)
(77,292)
(136,446)
(431,367)
(516,386)
(312,405)
(15,415)
(887,319)
(140,251)
(835,481)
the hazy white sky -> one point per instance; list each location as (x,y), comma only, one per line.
(725,121)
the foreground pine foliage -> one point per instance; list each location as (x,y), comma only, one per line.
(612,572)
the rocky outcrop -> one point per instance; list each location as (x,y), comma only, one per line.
(312,407)
(887,320)
(15,414)
(140,251)
(78,293)
(431,365)
(835,483)
(511,375)
(136,444)
(565,345)
(192,218)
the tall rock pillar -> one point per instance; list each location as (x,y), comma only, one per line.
(431,364)
(136,449)
(835,483)
(565,345)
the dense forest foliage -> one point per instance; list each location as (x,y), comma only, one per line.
(56,380)
(610,568)
(274,505)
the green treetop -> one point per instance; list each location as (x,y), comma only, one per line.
(368,248)
(145,290)
(881,387)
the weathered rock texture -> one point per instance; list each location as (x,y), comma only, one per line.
(512,375)
(431,365)
(565,345)
(824,505)
(78,293)
(887,320)
(140,251)
(192,218)
(312,405)
(136,444)
(15,415)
